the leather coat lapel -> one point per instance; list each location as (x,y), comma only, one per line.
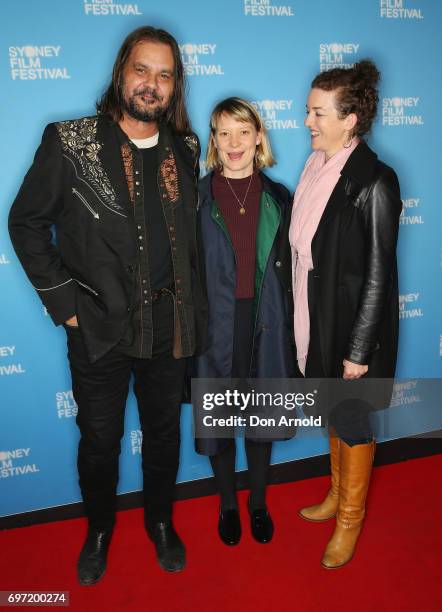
(356,173)
(336,202)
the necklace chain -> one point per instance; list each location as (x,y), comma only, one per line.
(242,209)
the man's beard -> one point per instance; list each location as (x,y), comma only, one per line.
(144,114)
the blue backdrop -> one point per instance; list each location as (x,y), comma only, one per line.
(57,57)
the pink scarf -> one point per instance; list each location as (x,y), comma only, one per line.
(315,187)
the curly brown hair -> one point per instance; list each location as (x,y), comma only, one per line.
(356,92)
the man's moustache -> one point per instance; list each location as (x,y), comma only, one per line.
(149,92)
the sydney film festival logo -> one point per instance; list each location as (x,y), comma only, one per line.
(16,463)
(276,114)
(401,112)
(409,306)
(405,393)
(411,209)
(337,55)
(136,441)
(65,404)
(399,9)
(105,8)
(4,259)
(199,59)
(267,8)
(8,353)
(36,62)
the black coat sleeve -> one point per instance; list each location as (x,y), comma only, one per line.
(33,214)
(381,213)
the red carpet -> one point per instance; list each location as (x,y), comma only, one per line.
(397,566)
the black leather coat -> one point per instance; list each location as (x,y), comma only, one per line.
(353,288)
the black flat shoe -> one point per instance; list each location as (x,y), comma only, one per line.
(261,525)
(229,527)
(171,554)
(93,557)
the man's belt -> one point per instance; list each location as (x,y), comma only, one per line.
(156,295)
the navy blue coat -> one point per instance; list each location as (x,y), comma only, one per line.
(273,353)
(273,343)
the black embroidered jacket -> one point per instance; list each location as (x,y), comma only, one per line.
(83,184)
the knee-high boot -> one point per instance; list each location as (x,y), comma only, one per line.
(355,471)
(328,508)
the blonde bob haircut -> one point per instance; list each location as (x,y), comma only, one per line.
(242,111)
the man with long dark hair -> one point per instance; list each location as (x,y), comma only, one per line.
(123,277)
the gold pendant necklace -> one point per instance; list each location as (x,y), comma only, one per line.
(242,209)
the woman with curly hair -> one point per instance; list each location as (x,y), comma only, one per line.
(343,237)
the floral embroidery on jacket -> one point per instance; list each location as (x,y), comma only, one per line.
(192,142)
(126,154)
(169,175)
(79,141)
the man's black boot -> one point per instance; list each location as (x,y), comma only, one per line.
(170,550)
(93,557)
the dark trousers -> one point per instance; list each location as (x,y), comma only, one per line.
(100,390)
(258,453)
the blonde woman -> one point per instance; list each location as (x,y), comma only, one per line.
(244,219)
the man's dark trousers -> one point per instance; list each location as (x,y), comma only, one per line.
(100,390)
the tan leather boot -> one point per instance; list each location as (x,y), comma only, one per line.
(328,508)
(355,470)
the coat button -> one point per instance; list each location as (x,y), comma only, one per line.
(130,269)
(315,275)
(278,264)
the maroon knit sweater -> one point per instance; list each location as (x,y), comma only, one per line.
(242,228)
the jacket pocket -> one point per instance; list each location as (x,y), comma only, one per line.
(85,203)
(86,286)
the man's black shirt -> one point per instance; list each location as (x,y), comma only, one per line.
(154,256)
(158,243)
